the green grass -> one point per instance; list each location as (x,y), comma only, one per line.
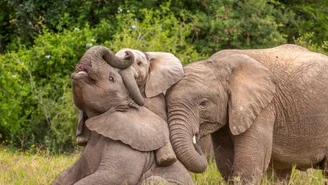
(28,169)
(40,169)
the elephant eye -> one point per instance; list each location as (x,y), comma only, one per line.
(111,78)
(204,102)
(139,63)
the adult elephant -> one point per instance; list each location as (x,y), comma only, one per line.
(124,135)
(262,107)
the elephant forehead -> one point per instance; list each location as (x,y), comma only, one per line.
(199,74)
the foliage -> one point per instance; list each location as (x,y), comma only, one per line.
(159,30)
(42,40)
(310,21)
(237,24)
(42,113)
(28,17)
(37,95)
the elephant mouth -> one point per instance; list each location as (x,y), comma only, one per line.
(196,146)
(81,72)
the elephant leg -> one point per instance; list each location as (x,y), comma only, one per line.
(253,150)
(165,155)
(224,151)
(102,177)
(324,167)
(73,174)
(155,180)
(120,164)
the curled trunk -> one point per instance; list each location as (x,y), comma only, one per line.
(126,72)
(187,152)
(111,59)
(132,86)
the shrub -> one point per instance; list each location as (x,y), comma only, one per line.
(37,97)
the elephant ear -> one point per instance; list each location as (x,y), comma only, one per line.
(165,70)
(139,128)
(252,88)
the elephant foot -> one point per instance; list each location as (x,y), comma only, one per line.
(165,155)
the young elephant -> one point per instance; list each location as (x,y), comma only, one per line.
(263,108)
(123,135)
(155,73)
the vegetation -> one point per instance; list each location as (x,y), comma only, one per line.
(38,169)
(42,40)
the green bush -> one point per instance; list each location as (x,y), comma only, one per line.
(159,30)
(237,24)
(37,97)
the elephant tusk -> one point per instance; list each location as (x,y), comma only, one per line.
(194,140)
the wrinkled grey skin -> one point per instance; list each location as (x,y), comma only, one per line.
(264,108)
(155,72)
(123,135)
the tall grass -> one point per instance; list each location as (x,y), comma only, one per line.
(40,169)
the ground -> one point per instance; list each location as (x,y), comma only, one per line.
(39,169)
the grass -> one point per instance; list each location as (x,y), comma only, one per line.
(40,169)
(28,169)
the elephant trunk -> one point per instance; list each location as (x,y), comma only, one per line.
(131,84)
(114,61)
(187,152)
(126,72)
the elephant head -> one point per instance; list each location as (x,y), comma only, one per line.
(102,88)
(230,90)
(97,69)
(155,71)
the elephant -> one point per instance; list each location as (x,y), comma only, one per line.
(123,134)
(154,73)
(265,109)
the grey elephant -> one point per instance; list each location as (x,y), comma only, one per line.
(124,135)
(154,73)
(264,108)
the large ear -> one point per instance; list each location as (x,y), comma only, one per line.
(165,70)
(140,128)
(251,89)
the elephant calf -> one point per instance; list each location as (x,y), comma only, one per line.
(123,135)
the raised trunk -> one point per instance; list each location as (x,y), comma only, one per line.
(126,72)
(187,152)
(111,59)
(132,86)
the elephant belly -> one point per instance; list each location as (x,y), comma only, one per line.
(305,150)
(303,161)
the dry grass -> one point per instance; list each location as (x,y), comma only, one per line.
(41,169)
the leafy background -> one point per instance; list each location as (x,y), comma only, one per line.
(42,40)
